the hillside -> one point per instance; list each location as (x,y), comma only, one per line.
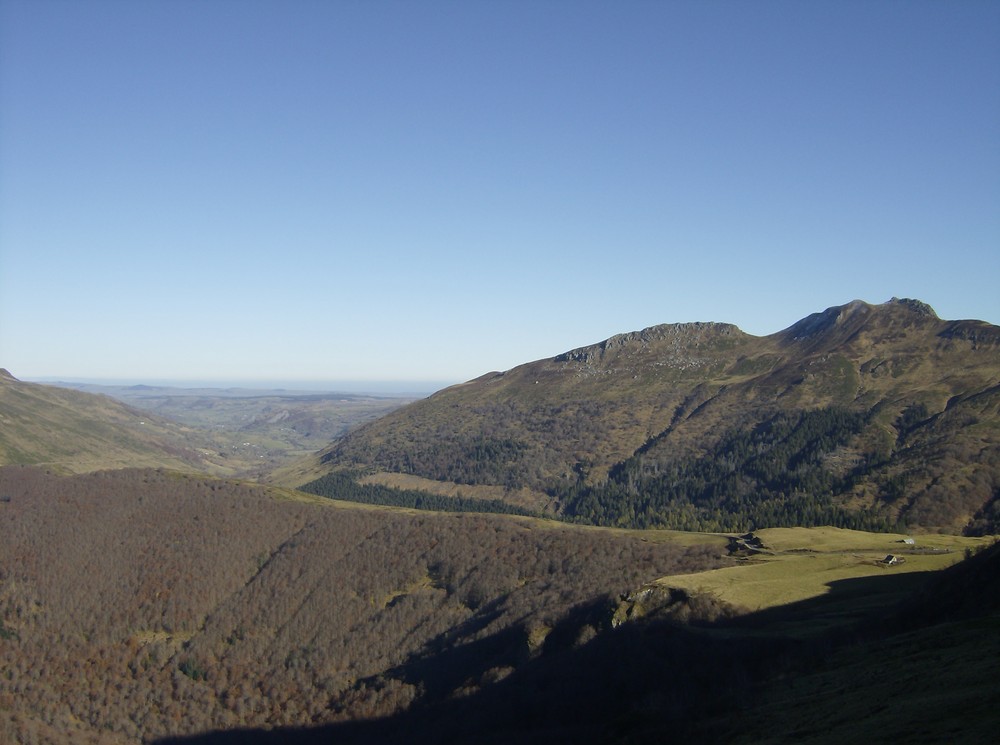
(142,603)
(862,416)
(933,678)
(934,685)
(74,432)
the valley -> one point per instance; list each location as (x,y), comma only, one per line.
(684,531)
(249,432)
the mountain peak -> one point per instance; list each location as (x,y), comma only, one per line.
(851,316)
(650,427)
(818,323)
(5,375)
(916,306)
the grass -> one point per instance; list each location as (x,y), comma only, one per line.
(806,563)
(73,432)
(530,499)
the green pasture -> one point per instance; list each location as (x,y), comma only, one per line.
(799,564)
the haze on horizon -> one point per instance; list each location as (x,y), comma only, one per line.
(389,191)
(257,386)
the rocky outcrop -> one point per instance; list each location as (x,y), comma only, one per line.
(675,336)
(663,603)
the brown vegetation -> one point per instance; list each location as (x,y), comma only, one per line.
(143,603)
(921,671)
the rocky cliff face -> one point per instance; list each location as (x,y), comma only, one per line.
(677,338)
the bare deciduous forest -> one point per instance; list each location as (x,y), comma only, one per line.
(141,603)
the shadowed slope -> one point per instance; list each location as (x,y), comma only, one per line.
(915,674)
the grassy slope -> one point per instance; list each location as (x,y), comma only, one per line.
(75,432)
(530,499)
(804,563)
(923,672)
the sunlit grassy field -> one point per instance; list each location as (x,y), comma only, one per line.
(802,563)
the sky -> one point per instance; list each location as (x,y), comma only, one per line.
(428,191)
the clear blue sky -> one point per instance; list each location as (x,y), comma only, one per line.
(433,190)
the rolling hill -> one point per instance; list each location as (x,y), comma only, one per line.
(259,430)
(74,432)
(861,416)
(75,428)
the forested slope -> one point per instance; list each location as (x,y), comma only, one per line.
(922,670)
(142,603)
(863,416)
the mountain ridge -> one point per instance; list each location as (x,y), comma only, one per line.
(670,392)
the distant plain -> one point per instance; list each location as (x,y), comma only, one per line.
(258,429)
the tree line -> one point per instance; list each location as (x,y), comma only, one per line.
(344,485)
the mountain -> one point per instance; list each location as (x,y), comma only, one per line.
(864,416)
(71,431)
